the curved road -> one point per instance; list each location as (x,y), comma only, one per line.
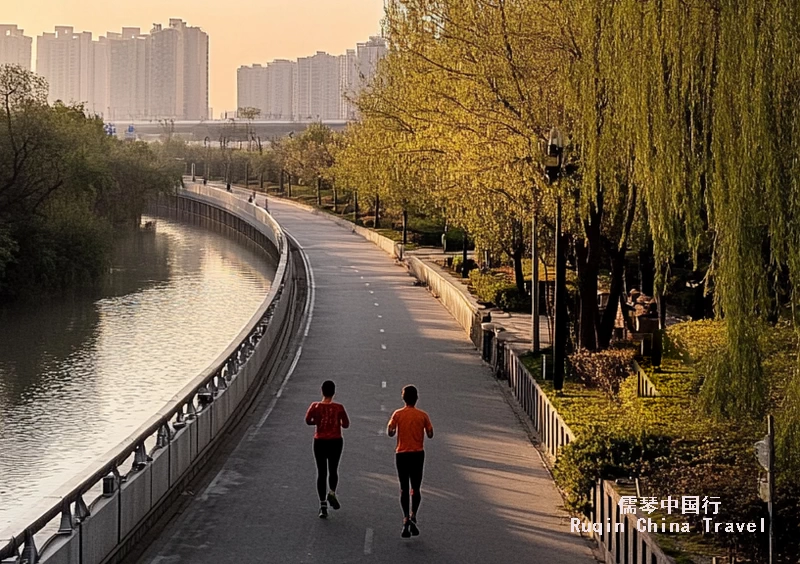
(486,495)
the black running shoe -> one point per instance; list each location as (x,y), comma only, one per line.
(323,512)
(333,501)
(406,530)
(412,525)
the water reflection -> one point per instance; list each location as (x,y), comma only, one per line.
(80,374)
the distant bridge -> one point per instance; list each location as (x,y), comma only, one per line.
(234,130)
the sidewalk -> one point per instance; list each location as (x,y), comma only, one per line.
(517,324)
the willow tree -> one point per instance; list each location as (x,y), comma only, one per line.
(460,81)
(694,102)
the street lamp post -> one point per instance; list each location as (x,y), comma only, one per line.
(535,338)
(553,168)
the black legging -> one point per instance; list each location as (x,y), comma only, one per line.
(327,453)
(409,469)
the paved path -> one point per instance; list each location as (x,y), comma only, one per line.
(486,494)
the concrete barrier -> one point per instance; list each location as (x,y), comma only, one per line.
(184,436)
(100,531)
(135,495)
(159,475)
(63,549)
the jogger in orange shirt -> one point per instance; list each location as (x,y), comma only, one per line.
(411,425)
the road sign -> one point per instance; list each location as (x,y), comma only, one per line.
(762,452)
(764,489)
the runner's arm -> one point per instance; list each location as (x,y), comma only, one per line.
(311,415)
(428,427)
(344,420)
(391,428)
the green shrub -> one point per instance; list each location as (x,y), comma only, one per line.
(696,341)
(425,225)
(486,286)
(603,453)
(511,299)
(497,290)
(456,264)
(603,369)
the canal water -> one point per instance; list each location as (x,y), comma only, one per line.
(78,375)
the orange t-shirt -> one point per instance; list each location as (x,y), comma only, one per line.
(411,424)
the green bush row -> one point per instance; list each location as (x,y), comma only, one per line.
(499,291)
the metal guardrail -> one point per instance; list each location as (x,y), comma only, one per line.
(551,428)
(165,446)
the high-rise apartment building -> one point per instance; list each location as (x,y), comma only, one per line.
(252,88)
(128,76)
(368,55)
(98,104)
(15,46)
(166,73)
(318,95)
(66,60)
(281,89)
(178,72)
(349,84)
(320,87)
(195,67)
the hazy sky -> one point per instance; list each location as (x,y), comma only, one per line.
(241,32)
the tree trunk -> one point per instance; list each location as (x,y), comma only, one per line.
(405,227)
(606,330)
(517,255)
(334,197)
(586,252)
(464,273)
(377,211)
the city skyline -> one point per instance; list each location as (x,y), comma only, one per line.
(241,32)
(320,86)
